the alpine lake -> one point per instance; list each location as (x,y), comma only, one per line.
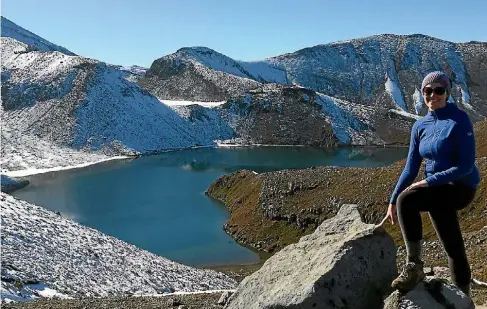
(158,202)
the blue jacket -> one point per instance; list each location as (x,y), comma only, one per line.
(444,137)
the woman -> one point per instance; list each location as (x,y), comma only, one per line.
(444,137)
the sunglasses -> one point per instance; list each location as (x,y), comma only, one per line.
(437,90)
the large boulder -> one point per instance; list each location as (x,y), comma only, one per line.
(345,263)
(433,293)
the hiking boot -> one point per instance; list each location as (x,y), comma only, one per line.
(411,275)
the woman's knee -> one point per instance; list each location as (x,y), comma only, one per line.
(406,200)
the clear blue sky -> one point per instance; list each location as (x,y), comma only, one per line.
(130,32)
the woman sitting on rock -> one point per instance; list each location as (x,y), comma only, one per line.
(445,138)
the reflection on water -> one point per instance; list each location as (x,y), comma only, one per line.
(263,159)
(157,202)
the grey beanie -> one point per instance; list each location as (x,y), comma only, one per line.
(437,77)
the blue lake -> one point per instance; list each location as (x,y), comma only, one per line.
(158,203)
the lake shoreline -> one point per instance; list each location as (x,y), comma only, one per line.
(21,175)
(201,165)
(239,271)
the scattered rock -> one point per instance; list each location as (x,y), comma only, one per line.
(224,298)
(176,302)
(428,271)
(442,272)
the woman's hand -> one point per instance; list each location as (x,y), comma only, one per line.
(419,184)
(391,213)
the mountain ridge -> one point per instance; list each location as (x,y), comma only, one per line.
(372,81)
(10,29)
(383,69)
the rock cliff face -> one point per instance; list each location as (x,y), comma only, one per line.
(280,115)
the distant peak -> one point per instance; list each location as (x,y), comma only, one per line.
(198,49)
(387,36)
(359,41)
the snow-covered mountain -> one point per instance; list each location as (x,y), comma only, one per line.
(198,74)
(33,41)
(361,70)
(361,92)
(44,254)
(86,109)
(82,105)
(382,70)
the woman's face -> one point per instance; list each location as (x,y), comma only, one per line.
(435,96)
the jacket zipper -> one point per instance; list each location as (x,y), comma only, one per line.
(431,141)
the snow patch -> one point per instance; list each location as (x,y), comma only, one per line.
(465,96)
(395,93)
(343,122)
(27,172)
(50,293)
(266,71)
(187,103)
(466,99)
(418,101)
(185,293)
(405,114)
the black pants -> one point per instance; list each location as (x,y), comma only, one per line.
(442,203)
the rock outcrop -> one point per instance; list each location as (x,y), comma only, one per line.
(281,115)
(433,293)
(345,263)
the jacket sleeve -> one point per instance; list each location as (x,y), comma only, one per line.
(413,164)
(465,161)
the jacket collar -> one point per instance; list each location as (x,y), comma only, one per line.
(442,112)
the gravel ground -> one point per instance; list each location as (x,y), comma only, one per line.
(190,301)
(199,301)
